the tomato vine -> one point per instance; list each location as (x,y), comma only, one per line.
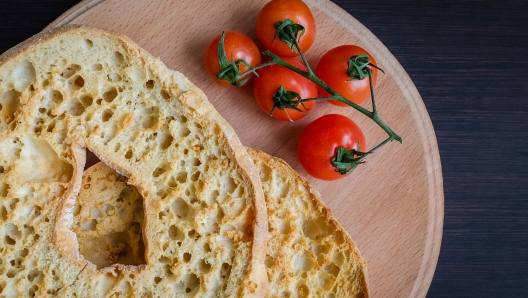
(360,68)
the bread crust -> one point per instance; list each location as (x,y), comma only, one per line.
(194,99)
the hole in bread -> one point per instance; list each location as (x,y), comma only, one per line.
(110,94)
(165,95)
(107,114)
(182,209)
(151,121)
(164,260)
(9,105)
(70,71)
(339,238)
(55,96)
(332,269)
(230,185)
(109,223)
(207,248)
(86,100)
(181,177)
(129,154)
(97,67)
(3,213)
(4,188)
(193,235)
(74,107)
(303,263)
(164,167)
(88,44)
(325,281)
(192,282)
(157,280)
(34,273)
(303,290)
(114,77)
(196,176)
(76,83)
(311,228)
(149,84)
(175,233)
(117,59)
(10,240)
(320,251)
(90,225)
(226,270)
(172,182)
(284,227)
(203,266)
(187,257)
(269,262)
(166,141)
(52,168)
(23,75)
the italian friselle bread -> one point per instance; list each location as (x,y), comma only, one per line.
(204,224)
(308,253)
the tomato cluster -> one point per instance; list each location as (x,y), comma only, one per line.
(286,28)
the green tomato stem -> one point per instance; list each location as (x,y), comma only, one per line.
(336,96)
(287,32)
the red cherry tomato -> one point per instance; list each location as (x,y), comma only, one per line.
(320,140)
(271,78)
(332,69)
(238,46)
(278,11)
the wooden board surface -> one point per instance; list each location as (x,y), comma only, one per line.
(393,205)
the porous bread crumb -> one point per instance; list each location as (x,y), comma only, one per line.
(80,87)
(308,253)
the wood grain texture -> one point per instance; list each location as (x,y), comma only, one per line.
(395,215)
(466,58)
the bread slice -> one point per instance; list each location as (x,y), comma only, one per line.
(108,219)
(72,88)
(308,254)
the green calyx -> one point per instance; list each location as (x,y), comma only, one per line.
(359,67)
(284,99)
(229,70)
(345,161)
(289,32)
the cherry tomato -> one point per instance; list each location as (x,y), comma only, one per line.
(278,11)
(238,46)
(271,78)
(320,140)
(332,69)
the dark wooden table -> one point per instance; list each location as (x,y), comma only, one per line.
(469,60)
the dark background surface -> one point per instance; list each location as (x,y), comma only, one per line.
(469,61)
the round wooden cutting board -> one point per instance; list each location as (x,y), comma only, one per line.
(393,205)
